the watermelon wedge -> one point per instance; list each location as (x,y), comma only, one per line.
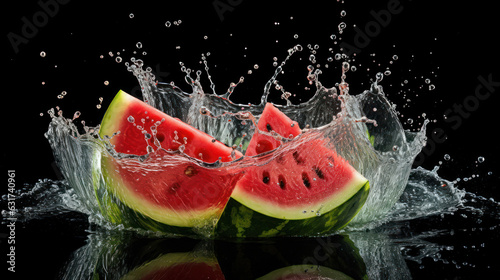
(163,186)
(271,120)
(306,189)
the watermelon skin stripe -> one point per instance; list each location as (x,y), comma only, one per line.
(239,221)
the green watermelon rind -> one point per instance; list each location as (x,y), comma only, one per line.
(240,221)
(119,102)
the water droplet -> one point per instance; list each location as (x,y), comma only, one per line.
(432,87)
(447,157)
(395,57)
(395,148)
(345,66)
(295,36)
(139,45)
(480,159)
(130,119)
(342,13)
(182,148)
(409,121)
(43,54)
(427,81)
(204,111)
(168,24)
(118,59)
(342,26)
(256,66)
(387,72)
(106,83)
(131,15)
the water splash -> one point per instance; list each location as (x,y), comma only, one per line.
(363,128)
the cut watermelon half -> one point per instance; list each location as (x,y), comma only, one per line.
(164,186)
(306,189)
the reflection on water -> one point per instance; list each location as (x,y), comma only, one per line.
(457,236)
(123,255)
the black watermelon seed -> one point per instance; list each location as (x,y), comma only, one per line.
(265,177)
(305,180)
(282,182)
(297,158)
(318,172)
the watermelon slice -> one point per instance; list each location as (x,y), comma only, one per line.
(307,189)
(271,120)
(164,186)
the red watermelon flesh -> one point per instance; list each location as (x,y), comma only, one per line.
(165,187)
(304,179)
(271,119)
(142,127)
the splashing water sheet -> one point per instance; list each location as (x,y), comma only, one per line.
(379,83)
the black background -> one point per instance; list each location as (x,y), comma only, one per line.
(452,44)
